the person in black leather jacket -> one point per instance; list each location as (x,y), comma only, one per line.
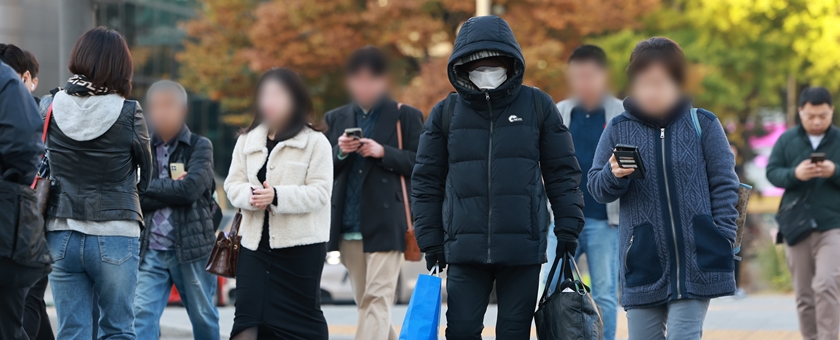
(24,257)
(96,142)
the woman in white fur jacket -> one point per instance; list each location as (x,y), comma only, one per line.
(281,178)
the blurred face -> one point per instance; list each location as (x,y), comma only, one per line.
(816,118)
(366,88)
(275,104)
(654,91)
(166,111)
(587,80)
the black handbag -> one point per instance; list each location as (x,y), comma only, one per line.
(569,313)
(795,219)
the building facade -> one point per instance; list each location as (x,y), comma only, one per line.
(49,28)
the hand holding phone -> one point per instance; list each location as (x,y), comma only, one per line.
(177,171)
(349,141)
(817,157)
(625,158)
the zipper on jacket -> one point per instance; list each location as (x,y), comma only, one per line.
(627,252)
(489,177)
(670,209)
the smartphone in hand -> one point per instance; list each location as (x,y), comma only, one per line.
(628,157)
(818,157)
(176,170)
(355,133)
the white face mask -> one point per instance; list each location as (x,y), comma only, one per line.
(486,77)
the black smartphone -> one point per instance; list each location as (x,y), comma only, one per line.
(628,157)
(817,157)
(355,133)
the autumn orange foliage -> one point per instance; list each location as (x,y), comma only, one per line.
(231,41)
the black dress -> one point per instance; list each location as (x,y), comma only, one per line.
(279,290)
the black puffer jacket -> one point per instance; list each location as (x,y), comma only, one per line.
(21,224)
(479,191)
(190,199)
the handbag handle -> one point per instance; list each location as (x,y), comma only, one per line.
(47,119)
(234,228)
(408,221)
(566,269)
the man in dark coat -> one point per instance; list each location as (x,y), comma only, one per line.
(179,233)
(796,166)
(481,181)
(372,184)
(24,256)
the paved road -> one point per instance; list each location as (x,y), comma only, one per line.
(767,317)
(753,318)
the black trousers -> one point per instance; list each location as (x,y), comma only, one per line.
(36,322)
(14,285)
(468,288)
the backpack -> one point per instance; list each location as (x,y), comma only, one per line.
(743,194)
(449,110)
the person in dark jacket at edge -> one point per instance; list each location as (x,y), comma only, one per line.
(368,221)
(480,190)
(812,261)
(36,321)
(180,233)
(24,256)
(677,224)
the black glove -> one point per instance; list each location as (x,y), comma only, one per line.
(434,255)
(566,243)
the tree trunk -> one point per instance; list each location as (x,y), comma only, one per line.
(791,100)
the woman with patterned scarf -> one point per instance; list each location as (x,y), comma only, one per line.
(96,141)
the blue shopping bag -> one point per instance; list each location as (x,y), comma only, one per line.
(422,318)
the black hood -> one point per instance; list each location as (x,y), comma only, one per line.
(482,37)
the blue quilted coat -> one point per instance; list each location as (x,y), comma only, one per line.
(677,225)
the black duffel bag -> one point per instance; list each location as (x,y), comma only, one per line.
(795,219)
(569,313)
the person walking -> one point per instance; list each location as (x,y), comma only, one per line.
(27,261)
(813,260)
(36,321)
(280,179)
(586,114)
(178,239)
(368,216)
(96,142)
(677,223)
(488,159)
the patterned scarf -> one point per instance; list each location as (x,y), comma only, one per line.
(80,86)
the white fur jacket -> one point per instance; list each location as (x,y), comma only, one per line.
(301,171)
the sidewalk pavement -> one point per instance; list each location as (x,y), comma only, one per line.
(761,317)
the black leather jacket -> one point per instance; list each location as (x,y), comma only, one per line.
(96,180)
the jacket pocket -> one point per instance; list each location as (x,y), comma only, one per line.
(714,252)
(118,249)
(641,258)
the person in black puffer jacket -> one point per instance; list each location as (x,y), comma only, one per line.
(177,210)
(481,180)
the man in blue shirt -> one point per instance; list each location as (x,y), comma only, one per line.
(586,114)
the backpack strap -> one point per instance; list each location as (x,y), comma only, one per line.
(696,122)
(448,112)
(538,106)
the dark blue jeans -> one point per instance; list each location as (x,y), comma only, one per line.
(158,271)
(85,264)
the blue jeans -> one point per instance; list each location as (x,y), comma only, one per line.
(680,319)
(158,271)
(84,264)
(599,241)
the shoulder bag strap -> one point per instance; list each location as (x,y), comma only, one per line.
(538,106)
(47,123)
(448,112)
(408,221)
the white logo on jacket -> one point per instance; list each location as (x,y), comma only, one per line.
(514,118)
